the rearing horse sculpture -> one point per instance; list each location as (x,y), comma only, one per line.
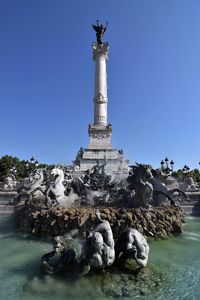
(162,189)
(148,185)
(56,192)
(140,180)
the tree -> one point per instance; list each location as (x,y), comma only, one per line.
(7,162)
(195,174)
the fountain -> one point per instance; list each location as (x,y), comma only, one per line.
(106,207)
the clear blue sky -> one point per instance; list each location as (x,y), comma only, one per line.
(47,78)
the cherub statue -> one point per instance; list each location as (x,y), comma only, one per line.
(100,30)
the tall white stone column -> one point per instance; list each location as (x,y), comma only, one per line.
(100,56)
(100,132)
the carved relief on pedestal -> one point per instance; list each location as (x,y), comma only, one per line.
(100,134)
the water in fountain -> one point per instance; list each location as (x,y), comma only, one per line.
(174,263)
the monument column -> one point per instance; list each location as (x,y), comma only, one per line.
(100,148)
(100,56)
(100,132)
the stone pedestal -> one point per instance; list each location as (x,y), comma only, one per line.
(100,137)
(111,158)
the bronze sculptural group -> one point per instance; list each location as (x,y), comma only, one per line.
(144,187)
(149,185)
(99,250)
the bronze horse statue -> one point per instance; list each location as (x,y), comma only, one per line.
(149,185)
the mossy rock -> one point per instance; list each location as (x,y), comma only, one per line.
(141,282)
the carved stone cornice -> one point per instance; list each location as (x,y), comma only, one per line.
(98,50)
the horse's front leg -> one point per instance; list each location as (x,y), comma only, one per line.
(181,193)
(172,202)
(50,201)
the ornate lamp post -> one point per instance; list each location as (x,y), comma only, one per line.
(165,166)
(162,164)
(186,169)
(172,165)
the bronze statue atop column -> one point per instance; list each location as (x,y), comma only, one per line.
(100,30)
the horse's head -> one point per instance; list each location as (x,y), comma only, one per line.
(157,172)
(38,174)
(144,171)
(57,172)
(149,171)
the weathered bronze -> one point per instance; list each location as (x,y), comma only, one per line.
(100,30)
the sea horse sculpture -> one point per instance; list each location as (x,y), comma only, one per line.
(56,192)
(32,191)
(132,244)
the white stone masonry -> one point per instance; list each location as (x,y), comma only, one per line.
(100,56)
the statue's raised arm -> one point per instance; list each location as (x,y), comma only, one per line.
(100,30)
(106,26)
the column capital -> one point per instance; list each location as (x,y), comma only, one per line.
(98,50)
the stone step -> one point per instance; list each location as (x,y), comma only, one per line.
(6,202)
(191,200)
(185,206)
(189,203)
(190,209)
(7,209)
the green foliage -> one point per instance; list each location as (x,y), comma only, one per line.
(7,162)
(196,175)
(45,166)
(178,174)
(193,173)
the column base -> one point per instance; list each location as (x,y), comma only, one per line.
(100,136)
